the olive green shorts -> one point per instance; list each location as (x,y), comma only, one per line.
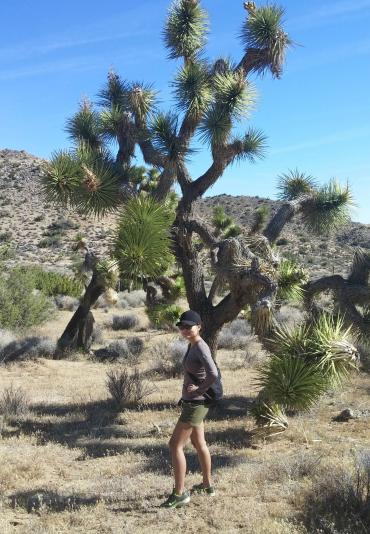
(193,414)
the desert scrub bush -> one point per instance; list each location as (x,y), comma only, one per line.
(20,306)
(97,335)
(29,347)
(167,358)
(164,316)
(64,302)
(127,350)
(51,283)
(127,389)
(13,402)
(135,345)
(125,322)
(133,299)
(7,252)
(234,335)
(339,501)
(303,464)
(6,337)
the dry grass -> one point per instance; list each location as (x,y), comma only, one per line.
(73,463)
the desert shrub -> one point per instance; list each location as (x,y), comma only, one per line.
(65,302)
(127,389)
(29,347)
(253,353)
(128,350)
(20,306)
(134,299)
(6,337)
(97,335)
(339,501)
(7,252)
(122,302)
(167,358)
(289,315)
(295,467)
(135,345)
(125,322)
(52,284)
(234,335)
(13,402)
(50,241)
(164,316)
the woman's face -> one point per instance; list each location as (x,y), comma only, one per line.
(189,332)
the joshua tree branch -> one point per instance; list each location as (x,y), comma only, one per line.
(203,231)
(286,212)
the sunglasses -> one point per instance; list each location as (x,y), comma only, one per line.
(185,326)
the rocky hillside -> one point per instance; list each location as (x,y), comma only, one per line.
(42,233)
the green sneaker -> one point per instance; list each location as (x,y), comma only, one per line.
(175,501)
(199,488)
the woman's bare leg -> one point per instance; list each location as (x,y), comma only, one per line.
(180,436)
(199,442)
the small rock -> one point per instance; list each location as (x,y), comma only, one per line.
(344,416)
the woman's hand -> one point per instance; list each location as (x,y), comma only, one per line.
(191,388)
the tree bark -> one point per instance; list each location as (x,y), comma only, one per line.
(78,332)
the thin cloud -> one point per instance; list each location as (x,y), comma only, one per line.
(327,56)
(28,50)
(82,63)
(330,13)
(323,141)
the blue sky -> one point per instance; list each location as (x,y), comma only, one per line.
(316,118)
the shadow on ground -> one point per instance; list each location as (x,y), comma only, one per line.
(41,499)
(93,428)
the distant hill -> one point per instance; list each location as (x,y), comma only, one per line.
(44,234)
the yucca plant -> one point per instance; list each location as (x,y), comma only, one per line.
(329,208)
(309,359)
(270,415)
(291,279)
(292,382)
(142,242)
(337,355)
(294,183)
(259,219)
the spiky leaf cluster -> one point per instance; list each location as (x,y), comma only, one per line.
(259,218)
(193,89)
(84,126)
(142,243)
(164,129)
(291,278)
(263,34)
(329,208)
(309,359)
(224,224)
(291,383)
(233,94)
(185,29)
(294,183)
(86,179)
(233,98)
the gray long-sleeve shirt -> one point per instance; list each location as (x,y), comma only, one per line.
(199,362)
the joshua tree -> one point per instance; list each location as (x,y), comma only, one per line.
(212,98)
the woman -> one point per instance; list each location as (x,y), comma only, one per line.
(200,372)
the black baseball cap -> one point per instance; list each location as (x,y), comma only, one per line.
(189,318)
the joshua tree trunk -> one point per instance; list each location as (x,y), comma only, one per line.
(78,332)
